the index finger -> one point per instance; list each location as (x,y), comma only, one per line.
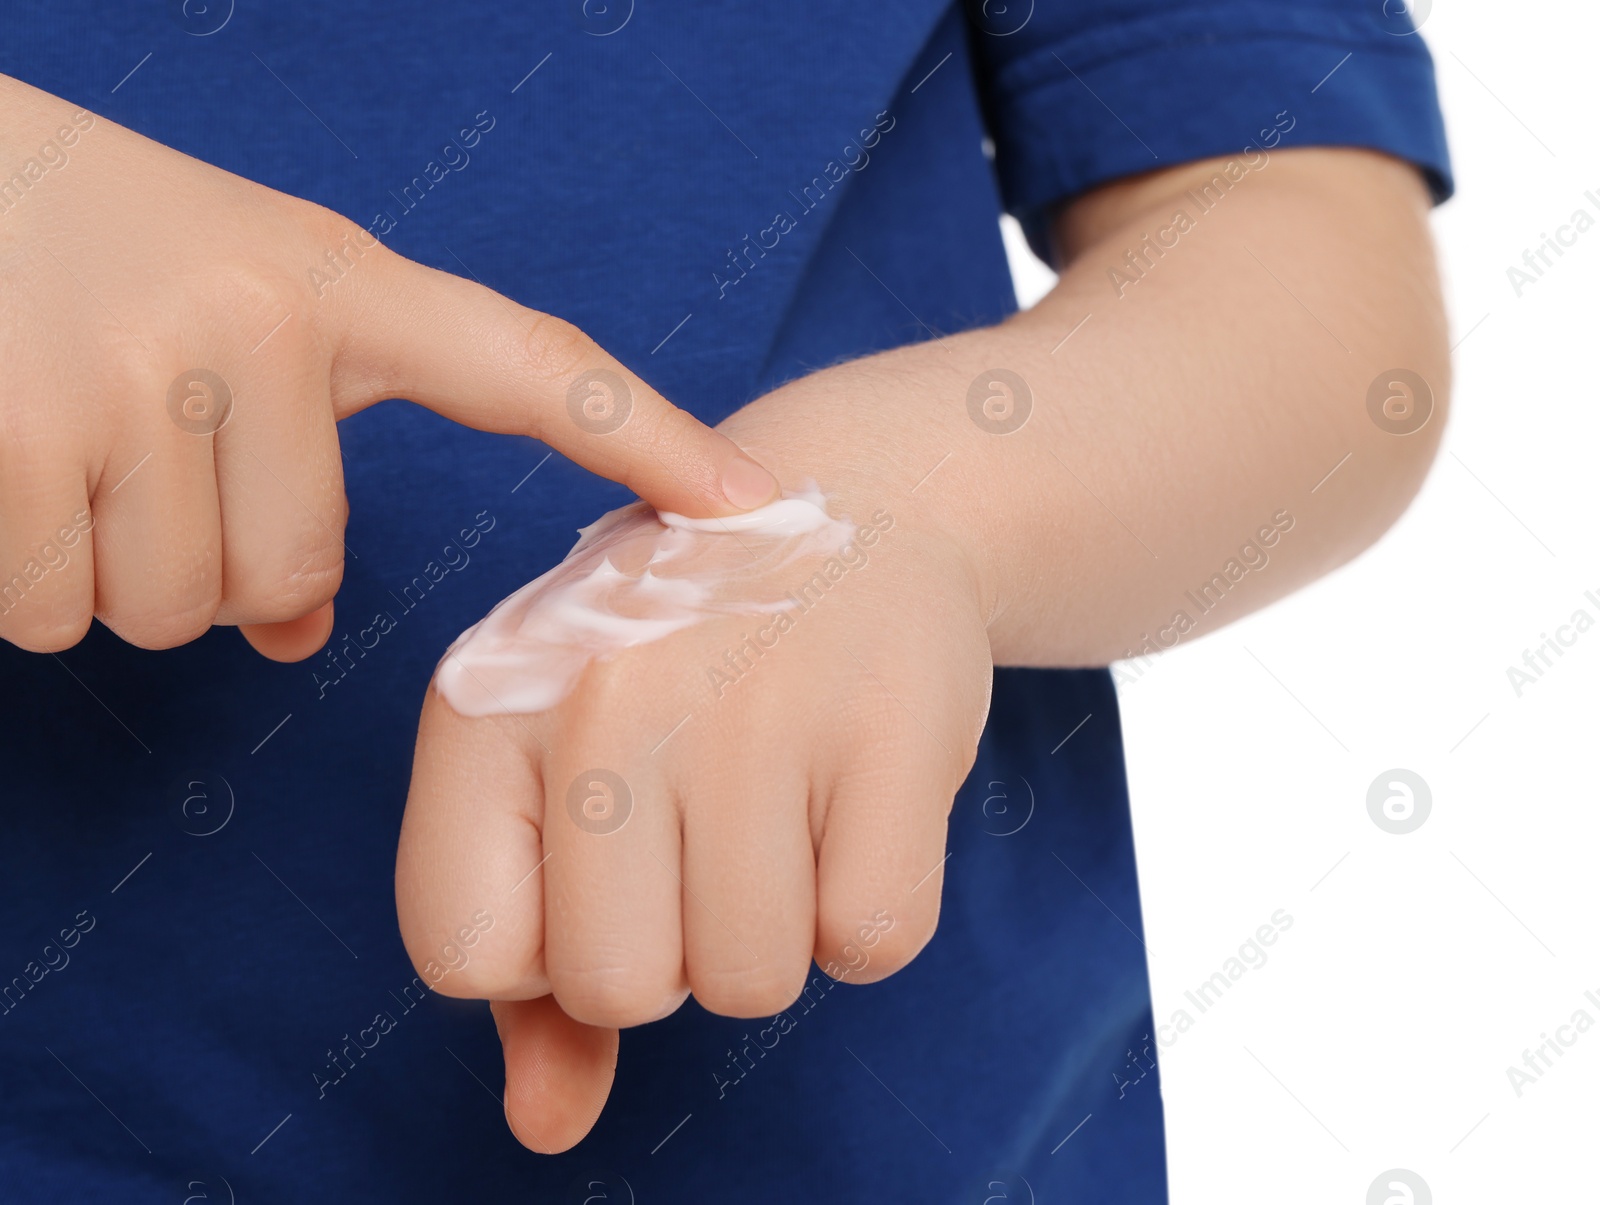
(482,360)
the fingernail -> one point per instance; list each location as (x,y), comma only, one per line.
(746,484)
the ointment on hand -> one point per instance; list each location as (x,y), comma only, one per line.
(635,576)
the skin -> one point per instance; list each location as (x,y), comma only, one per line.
(785,818)
(109,294)
(780,818)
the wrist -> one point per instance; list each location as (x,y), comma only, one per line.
(890,435)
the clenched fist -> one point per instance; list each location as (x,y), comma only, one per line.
(759,780)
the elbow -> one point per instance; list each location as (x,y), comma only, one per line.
(1408,410)
(1404,356)
(1402,426)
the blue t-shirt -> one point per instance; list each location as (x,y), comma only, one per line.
(203,993)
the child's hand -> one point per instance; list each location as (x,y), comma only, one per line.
(178,344)
(1054,504)
(702,816)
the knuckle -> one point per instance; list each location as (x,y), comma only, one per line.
(748,993)
(674,432)
(251,292)
(343,247)
(479,971)
(316,579)
(166,627)
(484,977)
(306,578)
(128,378)
(328,226)
(51,634)
(620,996)
(556,350)
(329,231)
(866,951)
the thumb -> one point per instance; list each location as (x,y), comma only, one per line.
(478,358)
(558,1072)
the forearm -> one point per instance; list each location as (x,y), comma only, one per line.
(1208,392)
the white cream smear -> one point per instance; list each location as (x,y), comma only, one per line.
(635,576)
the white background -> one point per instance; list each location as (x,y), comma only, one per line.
(1420,966)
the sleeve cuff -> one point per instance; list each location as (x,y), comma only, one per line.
(1157,92)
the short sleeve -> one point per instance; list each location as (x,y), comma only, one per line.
(1077,94)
